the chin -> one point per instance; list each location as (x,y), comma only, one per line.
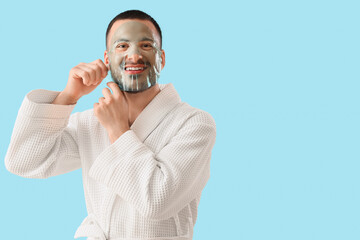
(135,92)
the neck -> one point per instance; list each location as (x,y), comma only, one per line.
(138,101)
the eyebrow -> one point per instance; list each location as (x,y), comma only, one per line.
(121,40)
(126,40)
(147,39)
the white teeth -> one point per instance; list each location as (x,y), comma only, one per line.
(134,68)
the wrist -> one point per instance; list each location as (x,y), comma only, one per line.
(65,99)
(115,134)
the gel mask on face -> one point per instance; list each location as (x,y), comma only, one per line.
(134,57)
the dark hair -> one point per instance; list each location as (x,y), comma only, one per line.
(133,14)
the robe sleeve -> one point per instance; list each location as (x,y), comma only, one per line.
(43,142)
(159,185)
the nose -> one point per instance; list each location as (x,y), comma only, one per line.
(134,55)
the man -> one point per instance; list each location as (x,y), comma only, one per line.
(144,154)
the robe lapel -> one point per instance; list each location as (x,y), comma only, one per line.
(155,111)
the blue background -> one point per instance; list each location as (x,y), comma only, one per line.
(280,78)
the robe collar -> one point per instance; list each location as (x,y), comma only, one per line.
(155,111)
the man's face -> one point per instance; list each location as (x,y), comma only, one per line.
(134,56)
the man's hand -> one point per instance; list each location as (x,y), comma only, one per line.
(112,111)
(83,79)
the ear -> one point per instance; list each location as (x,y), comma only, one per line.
(106,58)
(162,59)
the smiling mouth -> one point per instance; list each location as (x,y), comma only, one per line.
(135,70)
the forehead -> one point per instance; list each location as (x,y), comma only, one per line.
(132,28)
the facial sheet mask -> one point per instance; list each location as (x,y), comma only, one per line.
(134,57)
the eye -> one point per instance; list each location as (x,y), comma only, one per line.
(147,46)
(121,46)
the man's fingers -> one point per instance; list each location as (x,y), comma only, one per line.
(96,70)
(96,105)
(82,73)
(104,69)
(88,74)
(106,92)
(101,100)
(115,89)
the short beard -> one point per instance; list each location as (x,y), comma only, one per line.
(151,80)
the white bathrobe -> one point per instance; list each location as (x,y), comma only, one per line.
(146,185)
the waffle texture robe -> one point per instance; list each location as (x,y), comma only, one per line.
(146,185)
